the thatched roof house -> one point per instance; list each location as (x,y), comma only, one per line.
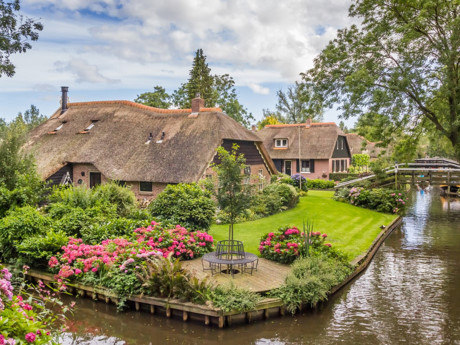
(359,144)
(312,149)
(145,147)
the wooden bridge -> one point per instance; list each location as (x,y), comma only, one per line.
(423,172)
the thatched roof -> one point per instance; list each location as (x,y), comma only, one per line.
(359,144)
(317,140)
(117,147)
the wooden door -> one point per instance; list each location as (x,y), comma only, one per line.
(94,179)
(288,167)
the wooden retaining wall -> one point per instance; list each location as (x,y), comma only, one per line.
(268,307)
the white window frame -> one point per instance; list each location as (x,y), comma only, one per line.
(302,170)
(282,142)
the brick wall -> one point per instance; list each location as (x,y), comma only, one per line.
(81,174)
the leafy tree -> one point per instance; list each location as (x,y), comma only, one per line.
(159,98)
(267,120)
(15,31)
(297,104)
(227,100)
(232,195)
(32,117)
(401,65)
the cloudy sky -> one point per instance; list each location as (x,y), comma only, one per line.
(117,49)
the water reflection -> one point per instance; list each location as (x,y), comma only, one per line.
(409,294)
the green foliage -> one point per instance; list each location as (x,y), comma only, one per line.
(114,194)
(37,249)
(15,31)
(397,69)
(360,160)
(269,119)
(111,228)
(296,105)
(286,194)
(16,226)
(310,281)
(320,184)
(379,199)
(78,196)
(214,89)
(159,98)
(232,195)
(184,204)
(166,278)
(342,177)
(231,298)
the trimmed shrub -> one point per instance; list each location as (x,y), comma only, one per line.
(79,196)
(185,204)
(320,184)
(287,195)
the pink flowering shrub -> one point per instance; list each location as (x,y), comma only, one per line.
(379,199)
(115,262)
(25,320)
(287,244)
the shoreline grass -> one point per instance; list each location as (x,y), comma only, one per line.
(349,228)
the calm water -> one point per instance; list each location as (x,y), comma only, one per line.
(409,294)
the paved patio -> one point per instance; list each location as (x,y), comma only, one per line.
(269,275)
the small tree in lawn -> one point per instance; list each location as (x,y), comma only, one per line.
(232,195)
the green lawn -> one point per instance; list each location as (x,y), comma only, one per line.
(349,228)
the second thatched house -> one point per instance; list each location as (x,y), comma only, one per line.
(312,149)
(359,144)
(146,148)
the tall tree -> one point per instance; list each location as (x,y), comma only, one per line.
(296,105)
(200,81)
(216,90)
(159,98)
(15,31)
(32,117)
(402,63)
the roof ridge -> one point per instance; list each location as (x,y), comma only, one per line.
(302,124)
(143,106)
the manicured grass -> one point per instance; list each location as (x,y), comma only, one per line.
(349,228)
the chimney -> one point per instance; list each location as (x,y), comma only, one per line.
(64,90)
(197,103)
(308,123)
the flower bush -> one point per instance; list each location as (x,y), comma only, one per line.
(27,320)
(287,244)
(115,262)
(379,199)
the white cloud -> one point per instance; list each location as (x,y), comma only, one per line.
(85,72)
(259,89)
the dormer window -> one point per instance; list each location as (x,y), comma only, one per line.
(59,127)
(91,125)
(281,143)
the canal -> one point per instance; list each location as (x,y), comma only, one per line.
(409,294)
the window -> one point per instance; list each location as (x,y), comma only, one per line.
(342,165)
(146,186)
(261,173)
(247,170)
(121,183)
(59,127)
(342,142)
(281,143)
(91,125)
(305,167)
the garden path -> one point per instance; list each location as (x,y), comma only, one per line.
(269,275)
